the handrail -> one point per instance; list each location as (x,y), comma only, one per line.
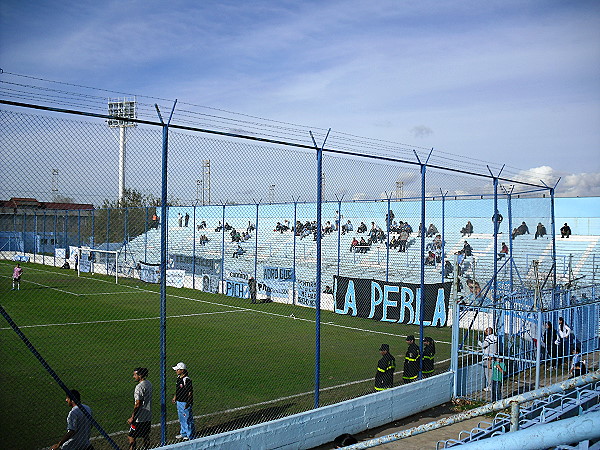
(491,407)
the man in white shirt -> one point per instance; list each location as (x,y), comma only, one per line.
(489,346)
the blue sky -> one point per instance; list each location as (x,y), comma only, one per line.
(515,82)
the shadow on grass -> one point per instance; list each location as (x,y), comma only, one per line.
(246,420)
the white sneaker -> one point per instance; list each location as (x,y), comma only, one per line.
(179,436)
(486,389)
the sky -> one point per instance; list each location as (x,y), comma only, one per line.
(515,82)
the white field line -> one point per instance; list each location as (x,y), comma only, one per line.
(254,405)
(261,312)
(46,286)
(119,320)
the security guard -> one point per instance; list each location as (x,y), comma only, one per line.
(384,378)
(411,361)
(428,356)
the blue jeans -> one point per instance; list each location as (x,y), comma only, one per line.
(496,390)
(186,420)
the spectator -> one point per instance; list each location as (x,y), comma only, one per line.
(78,425)
(565,231)
(184,399)
(431,231)
(448,269)
(467,230)
(353,245)
(578,367)
(402,240)
(489,346)
(393,243)
(540,231)
(503,252)
(549,340)
(186,219)
(238,252)
(520,230)
(347,227)
(361,228)
(498,372)
(467,250)
(141,417)
(363,245)
(565,336)
(328,290)
(179,220)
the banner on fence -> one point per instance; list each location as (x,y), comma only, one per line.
(235,288)
(175,278)
(278,274)
(392,302)
(149,273)
(307,293)
(210,283)
(60,253)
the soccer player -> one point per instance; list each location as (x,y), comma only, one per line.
(141,416)
(78,425)
(17,272)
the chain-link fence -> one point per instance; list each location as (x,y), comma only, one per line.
(273,270)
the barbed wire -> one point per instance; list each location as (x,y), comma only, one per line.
(27,88)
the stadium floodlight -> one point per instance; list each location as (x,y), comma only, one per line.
(121,110)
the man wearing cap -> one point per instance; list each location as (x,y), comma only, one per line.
(184,399)
(411,361)
(384,377)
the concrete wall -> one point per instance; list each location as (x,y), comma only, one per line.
(319,426)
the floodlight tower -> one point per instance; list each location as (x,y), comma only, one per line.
(206,181)
(399,189)
(54,184)
(123,109)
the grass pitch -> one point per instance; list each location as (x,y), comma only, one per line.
(249,363)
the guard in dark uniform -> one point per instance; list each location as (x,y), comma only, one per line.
(411,361)
(384,377)
(428,357)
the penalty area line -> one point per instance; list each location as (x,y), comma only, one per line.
(92,322)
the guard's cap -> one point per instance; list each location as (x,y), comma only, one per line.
(384,347)
(410,337)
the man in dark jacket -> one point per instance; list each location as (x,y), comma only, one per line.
(411,361)
(384,377)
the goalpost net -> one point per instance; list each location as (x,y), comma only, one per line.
(90,259)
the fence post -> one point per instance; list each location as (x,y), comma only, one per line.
(538,350)
(514,416)
(318,277)
(24,234)
(163,277)
(389,219)
(194,250)
(553,227)
(223,251)
(339,226)
(146,237)
(44,237)
(294,230)
(256,244)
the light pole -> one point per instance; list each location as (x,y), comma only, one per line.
(120,110)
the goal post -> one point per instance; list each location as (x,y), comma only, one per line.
(86,260)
